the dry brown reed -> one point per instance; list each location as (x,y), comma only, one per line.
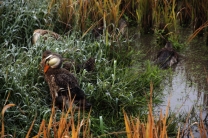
(197,31)
(2,118)
(199,9)
(72,124)
(136,129)
(184,13)
(153,128)
(84,14)
(69,125)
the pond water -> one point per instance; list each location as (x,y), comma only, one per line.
(187,87)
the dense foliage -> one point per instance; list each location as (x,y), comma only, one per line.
(120,81)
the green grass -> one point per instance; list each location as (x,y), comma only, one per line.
(116,83)
(110,88)
(120,81)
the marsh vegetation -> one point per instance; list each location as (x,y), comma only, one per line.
(123,88)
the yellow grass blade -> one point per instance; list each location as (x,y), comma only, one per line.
(86,128)
(150,122)
(197,31)
(7,98)
(51,119)
(202,127)
(41,129)
(135,127)
(191,133)
(2,114)
(127,125)
(28,133)
(178,135)
(164,129)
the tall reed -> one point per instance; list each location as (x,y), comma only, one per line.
(200,14)
(165,20)
(184,13)
(158,126)
(197,31)
(70,124)
(144,14)
(82,15)
(136,129)
(2,134)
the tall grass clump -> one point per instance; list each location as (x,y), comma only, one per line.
(145,15)
(150,128)
(119,82)
(22,85)
(185,14)
(87,16)
(194,13)
(165,124)
(65,11)
(165,17)
(68,124)
(112,86)
(19,19)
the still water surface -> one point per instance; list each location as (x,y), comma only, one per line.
(187,87)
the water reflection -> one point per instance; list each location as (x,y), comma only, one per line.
(182,91)
(187,87)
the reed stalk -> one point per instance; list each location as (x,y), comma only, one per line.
(2,118)
(144,15)
(150,129)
